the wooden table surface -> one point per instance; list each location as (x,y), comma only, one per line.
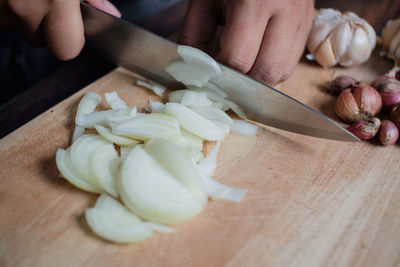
(88,67)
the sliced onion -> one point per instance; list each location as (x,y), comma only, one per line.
(125,150)
(209,164)
(217,190)
(213,113)
(81,153)
(197,57)
(105,118)
(158,89)
(225,127)
(114,101)
(193,140)
(113,138)
(189,74)
(194,123)
(240,127)
(69,172)
(158,227)
(216,89)
(115,222)
(175,161)
(105,167)
(147,126)
(153,193)
(156,107)
(195,99)
(87,105)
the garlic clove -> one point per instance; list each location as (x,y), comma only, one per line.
(325,54)
(340,39)
(394,44)
(358,50)
(389,31)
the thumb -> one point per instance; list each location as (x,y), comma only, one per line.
(199,25)
(106,6)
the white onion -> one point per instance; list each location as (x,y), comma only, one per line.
(87,105)
(195,99)
(69,172)
(197,57)
(105,118)
(217,190)
(209,164)
(105,167)
(240,127)
(189,74)
(114,101)
(147,126)
(173,160)
(194,123)
(81,153)
(152,193)
(216,89)
(158,89)
(213,113)
(113,138)
(156,107)
(112,221)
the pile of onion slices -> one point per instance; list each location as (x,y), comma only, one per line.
(149,168)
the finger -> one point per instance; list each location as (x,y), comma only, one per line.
(298,50)
(276,51)
(63,29)
(199,25)
(241,38)
(106,6)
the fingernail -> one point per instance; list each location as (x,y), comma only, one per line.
(112,9)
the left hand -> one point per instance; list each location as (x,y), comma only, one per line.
(263,38)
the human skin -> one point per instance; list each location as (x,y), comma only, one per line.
(263,38)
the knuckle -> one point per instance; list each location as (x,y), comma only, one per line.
(270,73)
(240,64)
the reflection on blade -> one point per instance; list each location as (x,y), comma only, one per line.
(148,54)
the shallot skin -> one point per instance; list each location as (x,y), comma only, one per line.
(388,133)
(365,129)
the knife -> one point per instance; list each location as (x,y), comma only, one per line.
(143,52)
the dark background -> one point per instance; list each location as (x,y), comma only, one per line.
(32,80)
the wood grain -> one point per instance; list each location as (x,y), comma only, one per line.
(311,202)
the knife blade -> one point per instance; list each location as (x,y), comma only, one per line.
(143,52)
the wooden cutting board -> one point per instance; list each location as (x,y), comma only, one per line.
(311,202)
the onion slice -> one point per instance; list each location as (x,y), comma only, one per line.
(105,118)
(69,172)
(156,107)
(209,164)
(216,89)
(194,123)
(175,161)
(114,101)
(105,164)
(197,57)
(152,193)
(82,151)
(195,99)
(148,126)
(244,128)
(113,138)
(217,190)
(112,221)
(213,113)
(87,105)
(189,74)
(157,88)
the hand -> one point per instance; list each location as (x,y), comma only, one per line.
(263,38)
(56,22)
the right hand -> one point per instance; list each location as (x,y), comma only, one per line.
(55,22)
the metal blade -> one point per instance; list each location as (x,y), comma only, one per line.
(143,52)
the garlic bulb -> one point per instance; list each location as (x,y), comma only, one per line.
(391,39)
(337,38)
